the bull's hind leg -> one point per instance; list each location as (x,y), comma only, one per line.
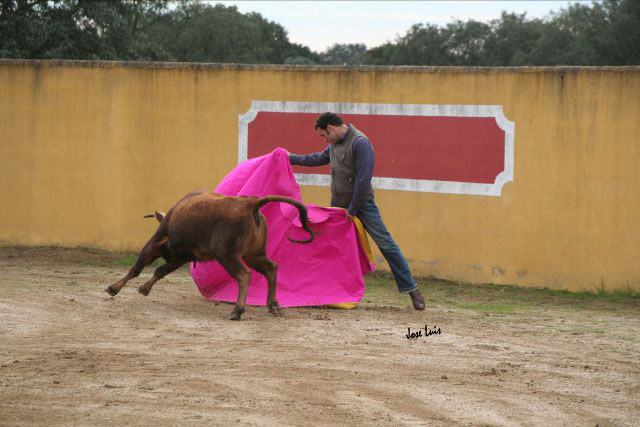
(268,269)
(239,272)
(160,272)
(149,253)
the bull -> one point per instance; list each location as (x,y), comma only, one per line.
(205,226)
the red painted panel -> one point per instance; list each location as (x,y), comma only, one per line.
(460,149)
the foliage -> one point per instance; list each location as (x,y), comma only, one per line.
(601,33)
(142,30)
(344,54)
(606,33)
(201,33)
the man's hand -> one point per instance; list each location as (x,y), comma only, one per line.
(349,216)
(289,154)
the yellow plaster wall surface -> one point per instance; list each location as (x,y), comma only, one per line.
(86,149)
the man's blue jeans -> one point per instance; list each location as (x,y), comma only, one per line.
(370,217)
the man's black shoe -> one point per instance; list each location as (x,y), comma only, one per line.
(418,301)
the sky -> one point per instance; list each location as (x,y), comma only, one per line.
(321,24)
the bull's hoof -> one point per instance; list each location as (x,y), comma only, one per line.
(276,310)
(112,291)
(236,313)
(144,291)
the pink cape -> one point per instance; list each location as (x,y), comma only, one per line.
(329,270)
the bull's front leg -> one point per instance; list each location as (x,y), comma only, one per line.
(149,253)
(160,272)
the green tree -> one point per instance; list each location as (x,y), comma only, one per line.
(42,29)
(123,27)
(78,29)
(606,32)
(298,54)
(466,42)
(512,40)
(142,30)
(199,32)
(621,44)
(381,55)
(574,36)
(344,54)
(422,45)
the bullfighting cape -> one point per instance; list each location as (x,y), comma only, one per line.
(329,270)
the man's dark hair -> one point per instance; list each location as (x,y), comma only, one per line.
(326,119)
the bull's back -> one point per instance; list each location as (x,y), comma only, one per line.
(204,207)
(195,220)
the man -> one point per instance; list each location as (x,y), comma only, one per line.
(351,157)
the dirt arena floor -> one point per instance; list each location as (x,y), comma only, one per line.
(72,355)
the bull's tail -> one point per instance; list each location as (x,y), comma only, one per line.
(304,219)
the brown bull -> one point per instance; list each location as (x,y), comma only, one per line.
(205,226)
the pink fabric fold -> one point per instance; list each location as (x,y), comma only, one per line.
(329,270)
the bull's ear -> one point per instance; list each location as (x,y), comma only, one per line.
(160,216)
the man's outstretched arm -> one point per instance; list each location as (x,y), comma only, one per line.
(315,159)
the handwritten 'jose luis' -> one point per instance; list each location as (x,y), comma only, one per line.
(422,332)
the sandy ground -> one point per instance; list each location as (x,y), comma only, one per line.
(70,354)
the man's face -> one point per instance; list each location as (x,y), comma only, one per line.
(330,134)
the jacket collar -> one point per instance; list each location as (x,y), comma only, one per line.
(347,135)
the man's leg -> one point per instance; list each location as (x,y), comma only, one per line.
(372,221)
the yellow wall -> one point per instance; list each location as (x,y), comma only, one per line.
(87,148)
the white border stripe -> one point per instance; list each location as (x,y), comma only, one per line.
(451,187)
